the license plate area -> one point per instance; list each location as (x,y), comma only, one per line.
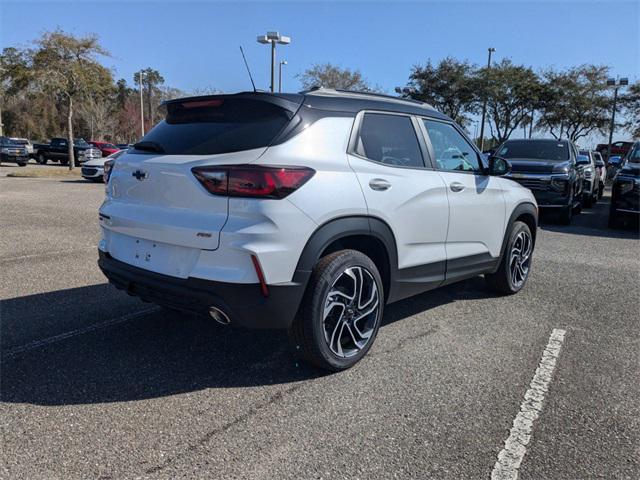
(159,257)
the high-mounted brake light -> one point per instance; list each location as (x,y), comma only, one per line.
(254,181)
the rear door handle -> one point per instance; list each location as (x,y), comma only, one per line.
(379,184)
(456,187)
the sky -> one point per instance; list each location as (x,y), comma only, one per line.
(194,45)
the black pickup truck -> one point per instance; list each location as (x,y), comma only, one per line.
(58,151)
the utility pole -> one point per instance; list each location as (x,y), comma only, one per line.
(484,104)
(283,62)
(612,82)
(1,100)
(141,104)
(273,38)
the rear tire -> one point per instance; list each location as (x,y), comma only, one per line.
(340,313)
(587,200)
(515,265)
(64,163)
(41,159)
(22,164)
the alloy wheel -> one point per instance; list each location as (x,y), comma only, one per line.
(351,312)
(520,259)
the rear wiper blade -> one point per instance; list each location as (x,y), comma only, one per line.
(149,147)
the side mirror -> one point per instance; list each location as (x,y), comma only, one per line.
(498,166)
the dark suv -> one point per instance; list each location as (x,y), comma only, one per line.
(548,168)
(625,191)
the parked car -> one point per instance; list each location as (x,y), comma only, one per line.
(625,191)
(617,148)
(105,147)
(94,169)
(549,169)
(26,143)
(601,170)
(590,192)
(309,212)
(58,151)
(13,152)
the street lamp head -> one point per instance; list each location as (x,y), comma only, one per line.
(611,82)
(491,49)
(624,81)
(284,40)
(283,62)
(273,35)
(263,39)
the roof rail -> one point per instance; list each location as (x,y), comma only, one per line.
(341,91)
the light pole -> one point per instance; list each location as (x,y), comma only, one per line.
(1,99)
(484,104)
(612,82)
(283,62)
(273,38)
(141,104)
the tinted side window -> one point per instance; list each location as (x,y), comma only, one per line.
(389,139)
(452,151)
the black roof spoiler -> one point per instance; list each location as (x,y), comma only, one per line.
(288,101)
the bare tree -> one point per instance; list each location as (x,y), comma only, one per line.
(97,111)
(328,75)
(67,65)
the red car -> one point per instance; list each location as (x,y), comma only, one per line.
(617,148)
(106,148)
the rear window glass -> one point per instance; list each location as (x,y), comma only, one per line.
(535,150)
(216,125)
(389,139)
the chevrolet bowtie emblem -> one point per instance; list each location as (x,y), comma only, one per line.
(139,175)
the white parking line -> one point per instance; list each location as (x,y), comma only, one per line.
(74,333)
(515,447)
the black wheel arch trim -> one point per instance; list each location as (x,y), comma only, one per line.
(525,208)
(344,227)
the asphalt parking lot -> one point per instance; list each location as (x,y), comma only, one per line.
(96,384)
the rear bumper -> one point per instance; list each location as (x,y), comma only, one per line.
(243,303)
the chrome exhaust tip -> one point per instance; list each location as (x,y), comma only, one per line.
(219,316)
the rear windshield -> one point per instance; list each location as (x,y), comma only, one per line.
(535,150)
(215,125)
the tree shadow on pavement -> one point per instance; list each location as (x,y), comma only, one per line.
(157,354)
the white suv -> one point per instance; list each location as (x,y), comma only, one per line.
(309,212)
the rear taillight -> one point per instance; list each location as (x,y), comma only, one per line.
(255,181)
(108,167)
